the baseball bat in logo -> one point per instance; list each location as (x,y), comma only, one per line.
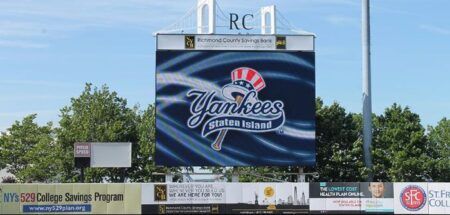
(241,110)
(413,198)
(244,80)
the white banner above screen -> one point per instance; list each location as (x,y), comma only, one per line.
(235,42)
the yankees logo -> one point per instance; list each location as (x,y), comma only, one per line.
(241,111)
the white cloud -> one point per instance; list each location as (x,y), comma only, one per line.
(54,18)
(43,116)
(436,29)
(38,83)
(22,44)
(342,20)
(338,2)
(98,12)
(19,114)
(8,99)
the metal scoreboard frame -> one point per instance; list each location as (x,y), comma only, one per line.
(286,138)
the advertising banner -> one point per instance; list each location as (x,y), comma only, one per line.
(352,197)
(235,108)
(235,198)
(439,198)
(280,198)
(114,154)
(235,42)
(377,197)
(70,198)
(411,198)
(335,197)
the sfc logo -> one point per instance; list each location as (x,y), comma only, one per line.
(238,108)
(413,198)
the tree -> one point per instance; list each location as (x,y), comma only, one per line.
(27,151)
(339,149)
(399,146)
(339,146)
(145,152)
(97,115)
(439,151)
(9,180)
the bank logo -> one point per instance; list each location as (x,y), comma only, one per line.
(189,42)
(162,209)
(215,209)
(241,110)
(280,42)
(413,198)
(160,192)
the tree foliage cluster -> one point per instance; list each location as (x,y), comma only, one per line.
(36,153)
(403,150)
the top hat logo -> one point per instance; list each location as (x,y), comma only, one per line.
(244,80)
(241,95)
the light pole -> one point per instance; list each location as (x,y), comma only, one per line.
(367,94)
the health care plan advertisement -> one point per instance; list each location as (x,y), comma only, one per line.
(342,197)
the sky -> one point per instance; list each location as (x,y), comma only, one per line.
(50,48)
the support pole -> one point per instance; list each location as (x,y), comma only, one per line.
(169,177)
(367,95)
(82,175)
(235,175)
(124,172)
(301,175)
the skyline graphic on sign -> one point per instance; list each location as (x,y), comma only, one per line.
(212,109)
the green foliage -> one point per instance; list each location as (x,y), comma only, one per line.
(399,146)
(144,154)
(339,150)
(401,149)
(439,151)
(267,174)
(97,115)
(339,146)
(28,151)
(9,180)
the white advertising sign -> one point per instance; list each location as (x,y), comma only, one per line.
(110,154)
(196,193)
(233,193)
(438,198)
(275,193)
(184,193)
(411,198)
(332,197)
(235,42)
(229,198)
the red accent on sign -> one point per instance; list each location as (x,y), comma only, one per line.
(250,75)
(413,198)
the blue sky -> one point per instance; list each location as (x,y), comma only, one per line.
(50,48)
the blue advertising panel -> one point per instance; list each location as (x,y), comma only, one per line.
(235,108)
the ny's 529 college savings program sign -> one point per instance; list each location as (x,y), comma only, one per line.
(235,107)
